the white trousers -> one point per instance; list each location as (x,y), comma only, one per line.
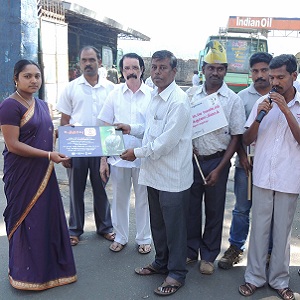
(268,204)
(122,180)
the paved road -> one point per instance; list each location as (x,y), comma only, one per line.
(105,275)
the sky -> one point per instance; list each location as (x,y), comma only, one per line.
(183,27)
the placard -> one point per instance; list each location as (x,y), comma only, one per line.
(83,141)
(207,115)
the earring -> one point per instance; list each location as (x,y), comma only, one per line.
(16,84)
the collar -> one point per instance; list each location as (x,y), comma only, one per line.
(296,99)
(165,94)
(253,91)
(223,90)
(143,88)
(101,82)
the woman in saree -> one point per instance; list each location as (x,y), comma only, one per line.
(40,254)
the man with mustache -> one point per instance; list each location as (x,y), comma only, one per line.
(213,150)
(275,181)
(259,67)
(166,170)
(80,104)
(128,103)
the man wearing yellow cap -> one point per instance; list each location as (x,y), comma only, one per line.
(213,152)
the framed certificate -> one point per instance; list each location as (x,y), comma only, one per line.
(82,141)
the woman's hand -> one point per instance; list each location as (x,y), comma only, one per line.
(58,157)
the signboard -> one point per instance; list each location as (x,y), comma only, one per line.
(264,23)
(83,141)
(207,115)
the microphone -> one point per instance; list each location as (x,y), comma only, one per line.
(262,113)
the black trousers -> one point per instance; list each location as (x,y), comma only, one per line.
(209,239)
(78,174)
(168,212)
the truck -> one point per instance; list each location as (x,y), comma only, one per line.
(239,46)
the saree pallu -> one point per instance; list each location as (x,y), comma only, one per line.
(40,254)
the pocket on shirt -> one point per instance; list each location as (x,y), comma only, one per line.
(156,128)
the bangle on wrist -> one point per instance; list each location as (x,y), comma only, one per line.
(49,155)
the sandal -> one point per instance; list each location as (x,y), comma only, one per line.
(148,270)
(144,248)
(110,236)
(116,247)
(247,289)
(166,289)
(74,240)
(286,293)
(190,260)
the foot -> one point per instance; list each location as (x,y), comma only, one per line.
(190,260)
(74,240)
(110,236)
(247,289)
(148,270)
(232,255)
(116,247)
(206,267)
(168,287)
(144,248)
(286,293)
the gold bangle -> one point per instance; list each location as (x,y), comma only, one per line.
(49,155)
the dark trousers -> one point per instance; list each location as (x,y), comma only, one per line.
(168,212)
(209,241)
(77,184)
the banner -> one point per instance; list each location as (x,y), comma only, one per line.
(207,115)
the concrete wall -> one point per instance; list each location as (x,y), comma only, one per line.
(19,39)
(185,70)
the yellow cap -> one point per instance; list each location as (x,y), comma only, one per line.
(216,53)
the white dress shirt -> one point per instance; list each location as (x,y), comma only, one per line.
(124,106)
(83,102)
(167,142)
(277,153)
(219,139)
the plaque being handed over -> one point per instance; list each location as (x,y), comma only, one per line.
(83,141)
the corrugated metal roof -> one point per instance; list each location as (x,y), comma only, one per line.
(85,16)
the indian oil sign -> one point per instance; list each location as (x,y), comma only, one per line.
(264,23)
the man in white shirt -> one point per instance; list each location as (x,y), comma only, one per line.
(297,85)
(239,228)
(80,103)
(195,79)
(149,82)
(128,104)
(275,186)
(166,170)
(214,150)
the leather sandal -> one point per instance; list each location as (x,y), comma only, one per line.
(74,240)
(247,289)
(148,270)
(116,247)
(190,260)
(166,289)
(286,293)
(144,248)
(110,236)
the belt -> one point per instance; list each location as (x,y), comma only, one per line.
(211,156)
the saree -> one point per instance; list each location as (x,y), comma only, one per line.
(40,254)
